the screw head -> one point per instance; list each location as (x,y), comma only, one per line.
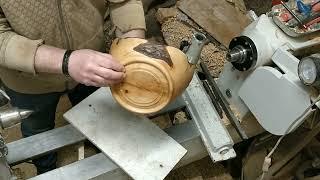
(224,151)
(228,93)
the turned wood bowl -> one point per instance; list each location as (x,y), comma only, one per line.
(155,74)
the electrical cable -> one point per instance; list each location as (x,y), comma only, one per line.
(267,160)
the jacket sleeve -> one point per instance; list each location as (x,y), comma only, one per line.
(16,52)
(127,15)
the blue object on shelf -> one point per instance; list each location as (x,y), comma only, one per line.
(304,9)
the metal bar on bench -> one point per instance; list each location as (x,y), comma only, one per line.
(131,141)
(27,148)
(187,134)
(101,167)
(33,146)
(213,132)
(84,169)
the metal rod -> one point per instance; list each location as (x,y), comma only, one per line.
(293,14)
(233,119)
(213,98)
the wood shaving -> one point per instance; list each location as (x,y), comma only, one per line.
(180,118)
(214,58)
(175,31)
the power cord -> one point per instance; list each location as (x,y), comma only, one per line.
(267,160)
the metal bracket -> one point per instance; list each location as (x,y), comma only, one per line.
(214,135)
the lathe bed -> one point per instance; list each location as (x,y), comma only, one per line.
(100,166)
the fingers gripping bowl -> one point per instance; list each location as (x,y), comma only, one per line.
(155,74)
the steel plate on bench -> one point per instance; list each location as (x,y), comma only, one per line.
(133,142)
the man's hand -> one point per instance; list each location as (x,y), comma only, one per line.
(93,68)
(85,66)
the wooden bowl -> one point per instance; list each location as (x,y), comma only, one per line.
(155,74)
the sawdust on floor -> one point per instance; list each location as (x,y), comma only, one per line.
(175,31)
(180,118)
(214,58)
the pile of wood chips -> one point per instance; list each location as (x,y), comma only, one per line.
(175,31)
(176,26)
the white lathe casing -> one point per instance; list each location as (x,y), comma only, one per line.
(271,89)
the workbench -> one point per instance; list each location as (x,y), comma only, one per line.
(100,166)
